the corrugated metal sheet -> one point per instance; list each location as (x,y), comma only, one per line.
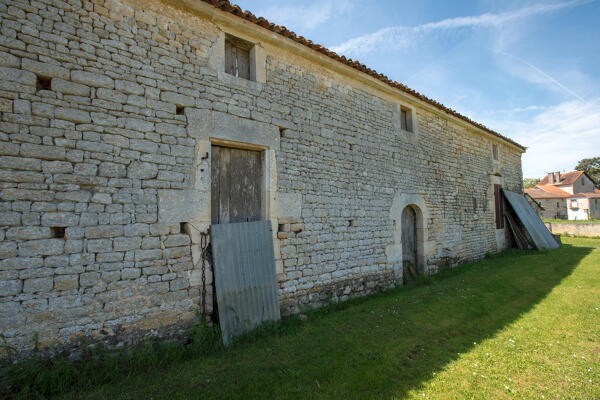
(542,238)
(245,280)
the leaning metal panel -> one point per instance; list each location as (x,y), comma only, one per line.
(540,235)
(245,281)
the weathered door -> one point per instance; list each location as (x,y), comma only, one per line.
(237,189)
(409,243)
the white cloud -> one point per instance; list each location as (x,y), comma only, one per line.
(400,36)
(307,16)
(557,136)
(533,74)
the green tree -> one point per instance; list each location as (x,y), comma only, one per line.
(530,182)
(591,166)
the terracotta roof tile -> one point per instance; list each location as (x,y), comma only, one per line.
(547,192)
(225,5)
(566,178)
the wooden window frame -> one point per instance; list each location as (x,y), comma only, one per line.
(406,119)
(238,57)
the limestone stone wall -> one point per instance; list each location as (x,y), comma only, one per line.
(589,230)
(108,109)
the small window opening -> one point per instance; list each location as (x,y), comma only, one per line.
(557,204)
(58,232)
(182,227)
(281,228)
(574,204)
(351,147)
(237,57)
(281,131)
(179,110)
(350,222)
(474,204)
(582,181)
(43,83)
(495,152)
(406,119)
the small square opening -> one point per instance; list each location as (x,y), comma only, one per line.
(58,232)
(179,110)
(43,83)
(182,227)
(406,123)
(281,131)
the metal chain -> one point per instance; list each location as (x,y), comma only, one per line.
(204,254)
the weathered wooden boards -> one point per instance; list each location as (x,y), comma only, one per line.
(409,243)
(237,185)
(244,268)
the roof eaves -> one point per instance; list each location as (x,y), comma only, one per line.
(227,6)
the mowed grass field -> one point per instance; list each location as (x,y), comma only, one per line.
(521,325)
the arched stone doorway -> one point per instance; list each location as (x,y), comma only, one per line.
(409,216)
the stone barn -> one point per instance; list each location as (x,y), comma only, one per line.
(129,126)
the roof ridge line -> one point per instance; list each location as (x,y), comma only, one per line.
(227,6)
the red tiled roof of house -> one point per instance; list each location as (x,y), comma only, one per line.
(234,9)
(547,192)
(566,178)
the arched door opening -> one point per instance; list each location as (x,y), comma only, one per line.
(410,264)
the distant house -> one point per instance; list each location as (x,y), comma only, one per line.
(569,195)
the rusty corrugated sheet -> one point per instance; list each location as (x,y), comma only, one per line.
(245,280)
(542,238)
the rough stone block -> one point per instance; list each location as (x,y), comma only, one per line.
(8,60)
(43,152)
(42,247)
(99,245)
(28,233)
(129,87)
(68,87)
(177,240)
(8,249)
(46,70)
(103,231)
(62,219)
(112,170)
(11,287)
(178,99)
(38,285)
(142,170)
(146,255)
(137,230)
(92,79)
(131,273)
(177,206)
(18,76)
(73,115)
(10,218)
(66,282)
(127,243)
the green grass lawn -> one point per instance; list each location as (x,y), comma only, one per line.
(524,324)
(568,221)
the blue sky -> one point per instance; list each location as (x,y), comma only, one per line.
(528,69)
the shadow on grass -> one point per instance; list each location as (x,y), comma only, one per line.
(381,346)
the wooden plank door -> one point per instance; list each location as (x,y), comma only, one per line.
(409,241)
(237,188)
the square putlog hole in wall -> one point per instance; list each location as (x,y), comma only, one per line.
(179,110)
(43,83)
(58,232)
